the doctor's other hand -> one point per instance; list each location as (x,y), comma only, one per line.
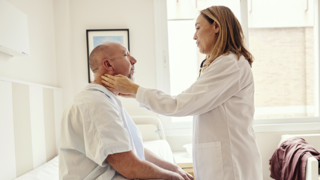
(120,83)
(184,174)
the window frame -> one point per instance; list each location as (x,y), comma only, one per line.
(259,125)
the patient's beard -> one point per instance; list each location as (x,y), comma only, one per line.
(131,77)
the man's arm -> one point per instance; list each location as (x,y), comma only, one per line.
(151,157)
(131,167)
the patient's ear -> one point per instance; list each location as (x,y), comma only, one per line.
(106,64)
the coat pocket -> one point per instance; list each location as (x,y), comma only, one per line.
(208,159)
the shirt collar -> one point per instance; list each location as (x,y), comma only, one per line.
(102,89)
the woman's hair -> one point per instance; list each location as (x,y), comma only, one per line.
(230,37)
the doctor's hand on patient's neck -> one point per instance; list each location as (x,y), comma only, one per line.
(121,84)
(98,81)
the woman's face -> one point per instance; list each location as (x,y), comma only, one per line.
(205,35)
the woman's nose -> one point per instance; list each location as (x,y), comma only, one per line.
(194,36)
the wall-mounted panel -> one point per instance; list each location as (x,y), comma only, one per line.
(7,152)
(22,128)
(57,114)
(49,123)
(14,38)
(37,126)
(29,117)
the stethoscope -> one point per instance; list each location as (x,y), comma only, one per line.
(201,65)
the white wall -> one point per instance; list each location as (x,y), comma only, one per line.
(73,17)
(40,66)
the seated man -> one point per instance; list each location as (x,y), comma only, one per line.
(98,139)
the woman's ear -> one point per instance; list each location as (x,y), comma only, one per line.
(106,64)
(216,27)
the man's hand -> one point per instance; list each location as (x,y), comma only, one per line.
(175,176)
(151,157)
(130,166)
(184,174)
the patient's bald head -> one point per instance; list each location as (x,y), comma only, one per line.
(111,58)
(99,53)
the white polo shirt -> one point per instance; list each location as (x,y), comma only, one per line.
(93,126)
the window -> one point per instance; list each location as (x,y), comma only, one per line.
(283,46)
(183,60)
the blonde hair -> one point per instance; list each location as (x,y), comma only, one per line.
(230,37)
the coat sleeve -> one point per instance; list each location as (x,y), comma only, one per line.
(219,82)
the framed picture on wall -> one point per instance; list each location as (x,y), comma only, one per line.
(95,37)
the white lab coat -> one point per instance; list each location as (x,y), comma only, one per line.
(222,103)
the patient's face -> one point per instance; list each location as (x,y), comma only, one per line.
(122,62)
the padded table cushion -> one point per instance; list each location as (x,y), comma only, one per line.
(48,171)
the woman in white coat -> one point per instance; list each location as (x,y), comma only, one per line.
(221,101)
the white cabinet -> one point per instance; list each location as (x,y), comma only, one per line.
(14,38)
